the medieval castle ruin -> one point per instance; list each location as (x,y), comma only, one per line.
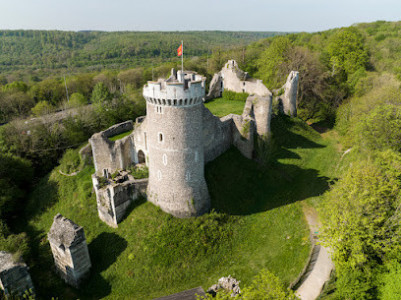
(175,140)
(177,137)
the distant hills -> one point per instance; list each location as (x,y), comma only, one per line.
(39,49)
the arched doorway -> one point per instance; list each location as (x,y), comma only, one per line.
(141,157)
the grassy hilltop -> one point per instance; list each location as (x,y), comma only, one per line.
(256,223)
(349,90)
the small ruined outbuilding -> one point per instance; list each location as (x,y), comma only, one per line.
(115,194)
(14,275)
(70,251)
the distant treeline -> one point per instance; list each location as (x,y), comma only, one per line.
(34,49)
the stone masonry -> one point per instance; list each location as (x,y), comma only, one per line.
(14,276)
(115,195)
(290,94)
(286,96)
(175,140)
(70,251)
(259,102)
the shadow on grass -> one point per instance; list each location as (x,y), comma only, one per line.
(44,196)
(240,186)
(104,251)
(285,138)
(138,202)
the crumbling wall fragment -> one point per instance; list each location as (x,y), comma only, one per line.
(70,251)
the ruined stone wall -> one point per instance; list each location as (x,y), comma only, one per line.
(14,275)
(112,155)
(290,94)
(217,135)
(116,196)
(70,251)
(243,133)
(140,140)
(259,108)
(234,79)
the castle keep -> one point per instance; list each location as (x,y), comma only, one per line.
(175,139)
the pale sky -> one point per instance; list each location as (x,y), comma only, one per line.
(172,15)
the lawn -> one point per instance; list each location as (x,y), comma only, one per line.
(222,107)
(256,223)
(120,136)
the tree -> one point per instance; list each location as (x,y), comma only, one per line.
(272,59)
(347,52)
(77,99)
(267,286)
(14,104)
(391,282)
(42,108)
(360,220)
(380,128)
(16,86)
(100,93)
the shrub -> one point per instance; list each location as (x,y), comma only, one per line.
(70,162)
(140,172)
(230,95)
(77,99)
(42,108)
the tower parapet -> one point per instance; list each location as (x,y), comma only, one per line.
(175,138)
(180,89)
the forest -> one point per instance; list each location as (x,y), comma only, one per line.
(349,84)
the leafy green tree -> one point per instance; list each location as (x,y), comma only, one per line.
(272,59)
(133,77)
(14,105)
(42,108)
(77,99)
(391,282)
(100,93)
(16,86)
(267,286)
(347,52)
(360,220)
(380,128)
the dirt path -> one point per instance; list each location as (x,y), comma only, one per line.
(320,265)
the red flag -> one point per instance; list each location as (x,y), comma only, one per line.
(179,50)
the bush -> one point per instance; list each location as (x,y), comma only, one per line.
(230,95)
(77,99)
(70,162)
(42,108)
(140,172)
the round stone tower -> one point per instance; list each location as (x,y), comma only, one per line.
(175,141)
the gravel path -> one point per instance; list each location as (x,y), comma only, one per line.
(320,265)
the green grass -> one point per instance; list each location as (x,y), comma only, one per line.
(222,107)
(120,136)
(257,223)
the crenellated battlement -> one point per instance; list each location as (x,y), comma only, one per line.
(180,89)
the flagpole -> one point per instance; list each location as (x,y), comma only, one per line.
(182,57)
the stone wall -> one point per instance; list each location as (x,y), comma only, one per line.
(232,78)
(14,275)
(286,96)
(112,155)
(243,134)
(290,94)
(260,109)
(114,198)
(70,251)
(217,135)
